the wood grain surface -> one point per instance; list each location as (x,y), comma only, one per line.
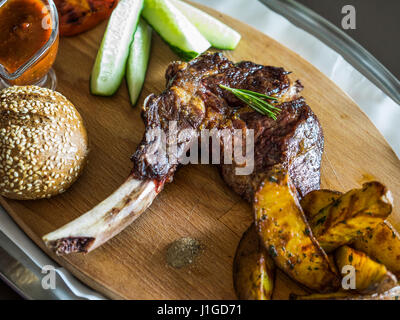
(198,203)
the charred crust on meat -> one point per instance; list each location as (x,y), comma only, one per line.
(193,98)
(70,245)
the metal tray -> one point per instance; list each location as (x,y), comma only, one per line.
(339,41)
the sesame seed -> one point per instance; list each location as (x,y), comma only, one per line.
(36,129)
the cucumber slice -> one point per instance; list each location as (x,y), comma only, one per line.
(175,28)
(138,60)
(218,34)
(109,67)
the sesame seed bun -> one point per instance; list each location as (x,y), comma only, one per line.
(43,143)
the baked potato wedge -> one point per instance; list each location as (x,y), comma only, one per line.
(316,200)
(351,215)
(383,244)
(253,269)
(371,276)
(286,235)
(392,294)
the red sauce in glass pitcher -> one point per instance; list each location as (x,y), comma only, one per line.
(25,27)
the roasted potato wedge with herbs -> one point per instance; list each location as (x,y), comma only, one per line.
(392,294)
(316,200)
(351,215)
(286,235)
(253,269)
(383,244)
(370,276)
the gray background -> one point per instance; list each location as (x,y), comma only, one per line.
(378,27)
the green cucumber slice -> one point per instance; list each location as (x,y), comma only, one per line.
(138,60)
(109,67)
(175,28)
(218,34)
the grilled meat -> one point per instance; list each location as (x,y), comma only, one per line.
(194,101)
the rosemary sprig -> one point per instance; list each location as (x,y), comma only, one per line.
(255,100)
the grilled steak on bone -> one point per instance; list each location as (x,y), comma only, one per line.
(194,100)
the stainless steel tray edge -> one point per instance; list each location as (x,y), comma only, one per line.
(340,42)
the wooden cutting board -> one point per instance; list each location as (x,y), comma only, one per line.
(197,204)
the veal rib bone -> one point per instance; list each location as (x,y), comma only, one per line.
(194,100)
(105,220)
(100,224)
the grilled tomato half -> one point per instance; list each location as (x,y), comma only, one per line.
(77,16)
